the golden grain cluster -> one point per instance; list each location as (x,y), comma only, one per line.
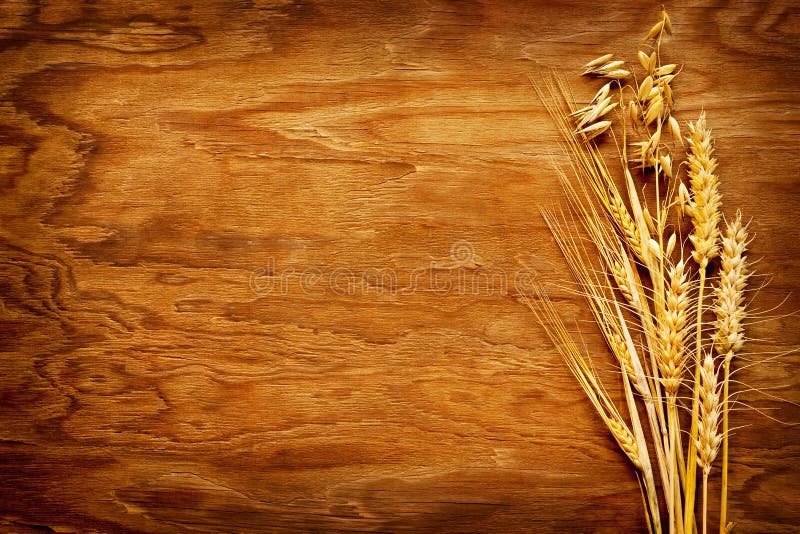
(643,262)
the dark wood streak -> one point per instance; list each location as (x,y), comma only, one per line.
(154,155)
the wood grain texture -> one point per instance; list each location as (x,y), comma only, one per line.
(164,162)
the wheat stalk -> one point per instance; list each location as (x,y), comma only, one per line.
(704,208)
(730,310)
(708,436)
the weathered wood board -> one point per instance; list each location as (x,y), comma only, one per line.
(235,238)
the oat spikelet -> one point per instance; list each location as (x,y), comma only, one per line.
(706,201)
(665,160)
(592,131)
(729,306)
(655,30)
(598,61)
(667,21)
(675,130)
(604,67)
(587,118)
(646,61)
(673,329)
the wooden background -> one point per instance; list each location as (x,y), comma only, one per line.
(164,162)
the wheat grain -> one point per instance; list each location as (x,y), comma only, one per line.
(620,277)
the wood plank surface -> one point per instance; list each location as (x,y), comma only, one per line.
(259,263)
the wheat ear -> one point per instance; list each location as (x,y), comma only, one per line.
(672,331)
(706,202)
(703,207)
(708,436)
(730,310)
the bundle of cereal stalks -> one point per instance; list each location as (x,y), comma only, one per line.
(664,277)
